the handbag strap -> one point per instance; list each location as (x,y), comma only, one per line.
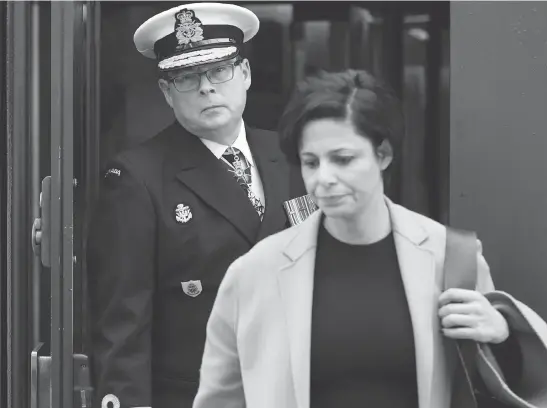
(460,271)
(460,262)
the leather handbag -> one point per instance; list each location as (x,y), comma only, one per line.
(478,381)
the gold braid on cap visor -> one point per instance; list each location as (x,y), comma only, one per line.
(197,57)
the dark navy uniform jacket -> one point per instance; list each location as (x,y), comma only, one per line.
(147,335)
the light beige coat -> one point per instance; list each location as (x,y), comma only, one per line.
(257,353)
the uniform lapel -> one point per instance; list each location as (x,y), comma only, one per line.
(274,174)
(197,168)
(295,282)
(417,265)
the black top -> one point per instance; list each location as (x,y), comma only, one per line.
(362,345)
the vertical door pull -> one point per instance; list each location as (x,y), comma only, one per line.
(41,235)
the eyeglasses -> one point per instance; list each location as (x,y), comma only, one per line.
(216,75)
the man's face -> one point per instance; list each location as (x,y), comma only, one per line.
(210,107)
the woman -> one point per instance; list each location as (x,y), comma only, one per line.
(345,309)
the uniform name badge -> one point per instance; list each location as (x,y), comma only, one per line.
(192,288)
(299,208)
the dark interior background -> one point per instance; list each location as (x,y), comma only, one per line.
(406,43)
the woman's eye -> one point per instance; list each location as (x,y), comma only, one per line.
(343,159)
(309,163)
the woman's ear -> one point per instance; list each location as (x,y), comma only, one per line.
(385,154)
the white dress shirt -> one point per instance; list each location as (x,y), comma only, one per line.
(240,143)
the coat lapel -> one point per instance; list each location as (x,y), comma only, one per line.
(418,273)
(275,178)
(296,289)
(198,169)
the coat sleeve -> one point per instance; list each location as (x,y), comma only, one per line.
(485,283)
(120,264)
(529,337)
(508,354)
(220,384)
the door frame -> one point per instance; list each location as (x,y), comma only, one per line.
(3,205)
(18,222)
(37,101)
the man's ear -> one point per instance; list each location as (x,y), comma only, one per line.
(164,86)
(246,70)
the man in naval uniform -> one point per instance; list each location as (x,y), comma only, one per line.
(176,211)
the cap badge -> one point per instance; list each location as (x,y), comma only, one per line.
(183,213)
(187,27)
(191,288)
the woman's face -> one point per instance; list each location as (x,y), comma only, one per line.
(341,169)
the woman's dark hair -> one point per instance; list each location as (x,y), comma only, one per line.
(368,103)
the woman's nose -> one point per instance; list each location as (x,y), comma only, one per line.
(325,174)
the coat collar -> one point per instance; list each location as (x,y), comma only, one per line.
(240,143)
(402,223)
(193,164)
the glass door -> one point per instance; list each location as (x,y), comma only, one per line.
(49,52)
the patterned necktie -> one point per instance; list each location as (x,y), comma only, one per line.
(240,169)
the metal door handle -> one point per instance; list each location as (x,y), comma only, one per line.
(40,380)
(36,236)
(82,382)
(41,239)
(40,377)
